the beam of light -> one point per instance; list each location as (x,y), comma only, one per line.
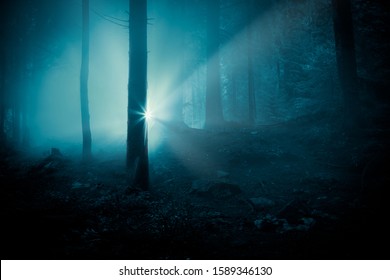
(186,149)
(59,117)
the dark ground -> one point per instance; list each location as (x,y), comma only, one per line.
(293,190)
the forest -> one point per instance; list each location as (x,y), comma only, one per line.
(194,129)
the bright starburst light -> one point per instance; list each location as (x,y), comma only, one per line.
(148,115)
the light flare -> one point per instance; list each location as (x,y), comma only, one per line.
(148,115)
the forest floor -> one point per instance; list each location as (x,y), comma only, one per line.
(296,190)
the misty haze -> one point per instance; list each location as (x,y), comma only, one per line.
(194,129)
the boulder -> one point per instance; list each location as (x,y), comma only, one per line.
(214,189)
(261,203)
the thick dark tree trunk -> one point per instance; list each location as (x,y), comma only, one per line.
(214,115)
(137,138)
(345,55)
(86,129)
(2,98)
(2,75)
(251,79)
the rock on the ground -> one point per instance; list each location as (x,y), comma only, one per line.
(214,189)
(269,223)
(272,223)
(260,203)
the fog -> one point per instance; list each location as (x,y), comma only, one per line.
(263,132)
(57,118)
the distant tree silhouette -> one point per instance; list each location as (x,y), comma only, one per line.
(251,78)
(345,54)
(2,74)
(214,114)
(86,129)
(137,138)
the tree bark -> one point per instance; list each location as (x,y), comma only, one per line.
(137,138)
(86,129)
(214,114)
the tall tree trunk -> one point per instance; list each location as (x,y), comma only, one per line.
(137,138)
(2,98)
(27,72)
(214,115)
(345,55)
(86,129)
(16,119)
(25,129)
(16,97)
(179,44)
(233,92)
(251,79)
(2,74)
(278,82)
